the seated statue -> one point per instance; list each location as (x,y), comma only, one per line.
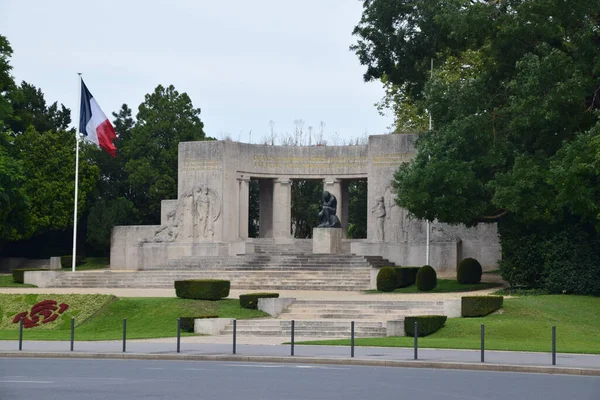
(327,215)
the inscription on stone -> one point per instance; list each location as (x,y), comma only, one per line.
(295,162)
(201,165)
(391,160)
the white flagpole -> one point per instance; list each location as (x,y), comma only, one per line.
(77,112)
(430,127)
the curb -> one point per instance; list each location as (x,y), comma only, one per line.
(313,360)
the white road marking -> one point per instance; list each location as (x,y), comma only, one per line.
(40,382)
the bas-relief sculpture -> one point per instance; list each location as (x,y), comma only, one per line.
(194,217)
(327,216)
(379,211)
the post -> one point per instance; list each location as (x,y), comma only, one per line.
(482,342)
(234,333)
(178,335)
(72,333)
(77,129)
(124,334)
(554,345)
(21,334)
(416,340)
(292,348)
(352,339)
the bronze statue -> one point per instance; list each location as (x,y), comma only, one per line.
(327,215)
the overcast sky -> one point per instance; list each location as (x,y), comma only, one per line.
(244,63)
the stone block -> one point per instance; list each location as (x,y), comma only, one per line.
(240,248)
(327,240)
(274,306)
(211,326)
(55,263)
(40,278)
(395,328)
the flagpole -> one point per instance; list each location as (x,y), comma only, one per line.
(77,112)
(430,127)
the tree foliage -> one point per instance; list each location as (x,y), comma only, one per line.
(515,99)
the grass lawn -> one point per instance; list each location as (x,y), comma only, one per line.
(147,317)
(91,263)
(444,286)
(525,324)
(7,281)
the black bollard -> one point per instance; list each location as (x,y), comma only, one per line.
(352,339)
(416,340)
(292,348)
(482,343)
(234,333)
(124,334)
(72,333)
(21,334)
(554,345)
(178,335)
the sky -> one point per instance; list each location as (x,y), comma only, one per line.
(243,63)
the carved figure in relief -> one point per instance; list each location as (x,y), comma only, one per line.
(170,231)
(379,211)
(208,211)
(327,214)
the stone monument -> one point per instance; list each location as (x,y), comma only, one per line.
(327,236)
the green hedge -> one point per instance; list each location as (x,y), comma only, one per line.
(406,276)
(250,300)
(469,271)
(18,274)
(426,278)
(202,289)
(479,306)
(427,324)
(386,279)
(67,261)
(187,323)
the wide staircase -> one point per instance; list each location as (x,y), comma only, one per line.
(320,319)
(273,266)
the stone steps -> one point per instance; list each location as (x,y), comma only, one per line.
(307,328)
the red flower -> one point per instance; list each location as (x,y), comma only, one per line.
(45,309)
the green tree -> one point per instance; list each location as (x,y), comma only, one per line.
(164,119)
(357,209)
(306,204)
(514,100)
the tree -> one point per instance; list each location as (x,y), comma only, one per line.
(514,100)
(164,119)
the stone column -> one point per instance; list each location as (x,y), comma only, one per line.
(244,206)
(282,208)
(265,204)
(345,208)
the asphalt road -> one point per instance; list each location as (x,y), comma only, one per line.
(27,378)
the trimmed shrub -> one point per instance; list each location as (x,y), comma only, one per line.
(187,323)
(469,271)
(386,279)
(67,261)
(202,289)
(250,300)
(426,278)
(426,324)
(406,276)
(479,306)
(18,274)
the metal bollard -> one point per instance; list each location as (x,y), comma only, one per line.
(21,334)
(554,345)
(482,343)
(178,335)
(124,334)
(416,340)
(352,339)
(292,348)
(234,333)
(72,333)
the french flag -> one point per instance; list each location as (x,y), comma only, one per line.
(94,124)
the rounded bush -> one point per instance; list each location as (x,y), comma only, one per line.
(426,278)
(202,289)
(469,271)
(386,279)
